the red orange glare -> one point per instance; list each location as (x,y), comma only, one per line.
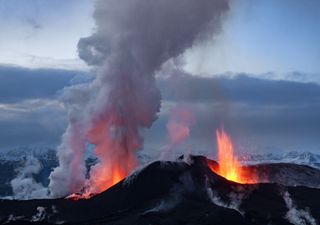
(229,166)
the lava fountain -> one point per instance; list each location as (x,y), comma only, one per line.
(229,166)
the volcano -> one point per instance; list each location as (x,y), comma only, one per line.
(185,191)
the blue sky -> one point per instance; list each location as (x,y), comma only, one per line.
(258,36)
(37,33)
(265,62)
(264,36)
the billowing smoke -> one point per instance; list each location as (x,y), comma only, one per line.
(132,40)
(178,128)
(24,186)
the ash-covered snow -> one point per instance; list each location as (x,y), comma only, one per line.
(300,158)
(49,154)
(294,157)
(21,153)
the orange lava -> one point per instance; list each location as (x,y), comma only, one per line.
(109,176)
(229,167)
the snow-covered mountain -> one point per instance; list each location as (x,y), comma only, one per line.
(21,153)
(301,158)
(47,153)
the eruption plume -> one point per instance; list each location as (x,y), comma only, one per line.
(178,128)
(132,40)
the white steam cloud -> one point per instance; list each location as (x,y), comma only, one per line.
(24,186)
(133,39)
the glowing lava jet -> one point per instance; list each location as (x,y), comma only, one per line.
(229,167)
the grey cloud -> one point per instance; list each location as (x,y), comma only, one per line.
(303,77)
(271,113)
(241,88)
(36,123)
(260,114)
(30,113)
(17,84)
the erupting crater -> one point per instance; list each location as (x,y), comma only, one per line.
(229,167)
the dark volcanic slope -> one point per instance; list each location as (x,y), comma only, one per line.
(173,193)
(287,174)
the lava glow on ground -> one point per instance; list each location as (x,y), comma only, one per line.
(229,166)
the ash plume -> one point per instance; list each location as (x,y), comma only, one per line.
(178,128)
(132,40)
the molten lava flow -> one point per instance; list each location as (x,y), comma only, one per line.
(229,167)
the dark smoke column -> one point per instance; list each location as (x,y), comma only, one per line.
(133,39)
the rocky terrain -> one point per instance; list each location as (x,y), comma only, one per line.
(182,192)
